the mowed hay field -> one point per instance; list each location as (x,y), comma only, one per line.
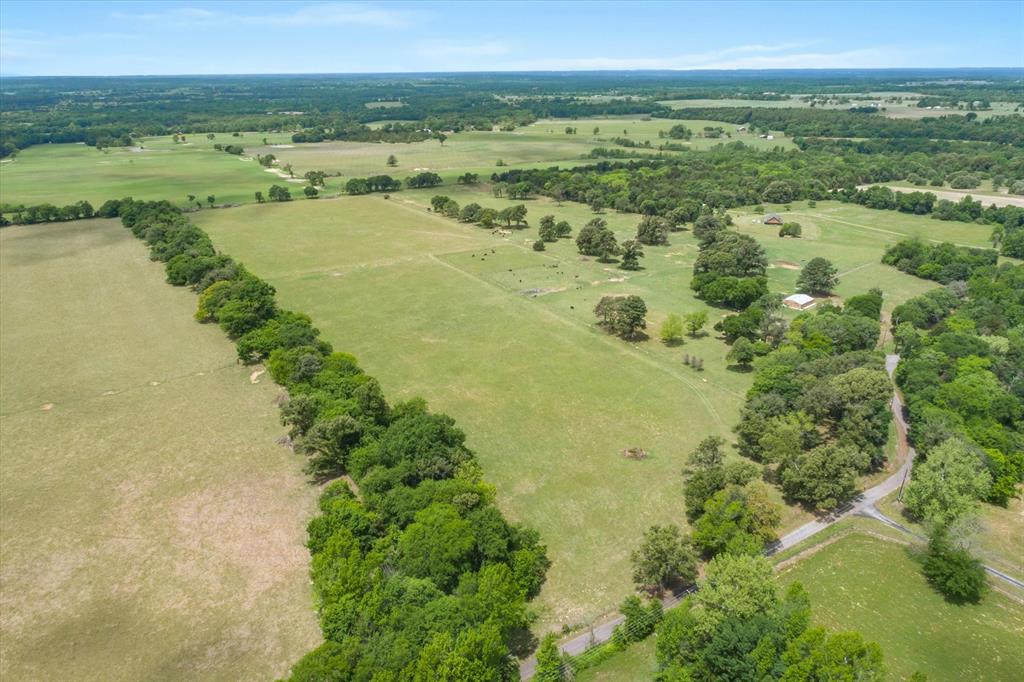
(151,528)
(504,339)
(65,173)
(862,583)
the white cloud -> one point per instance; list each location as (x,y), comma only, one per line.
(306,16)
(793,56)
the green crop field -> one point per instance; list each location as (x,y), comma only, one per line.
(875,587)
(152,528)
(503,338)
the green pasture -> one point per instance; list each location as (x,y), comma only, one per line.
(996,534)
(906,109)
(436,308)
(863,583)
(151,527)
(634,664)
(157,169)
(542,144)
(503,338)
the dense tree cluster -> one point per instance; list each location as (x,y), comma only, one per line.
(962,373)
(799,122)
(737,627)
(488,218)
(818,409)
(943,263)
(730,269)
(44,213)
(425,179)
(374,183)
(622,316)
(417,575)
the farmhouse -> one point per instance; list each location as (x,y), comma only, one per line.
(773,219)
(799,301)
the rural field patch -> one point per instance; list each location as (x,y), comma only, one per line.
(503,338)
(152,527)
(876,587)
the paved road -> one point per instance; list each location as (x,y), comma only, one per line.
(864,505)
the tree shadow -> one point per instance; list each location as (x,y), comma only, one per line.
(740,369)
(522,642)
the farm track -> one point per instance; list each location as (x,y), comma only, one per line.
(863,506)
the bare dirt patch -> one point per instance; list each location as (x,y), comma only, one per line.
(787,265)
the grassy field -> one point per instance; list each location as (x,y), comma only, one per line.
(436,308)
(503,338)
(65,173)
(151,527)
(635,664)
(159,168)
(906,109)
(998,540)
(542,143)
(915,627)
(875,587)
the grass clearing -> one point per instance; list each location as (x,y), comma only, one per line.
(149,518)
(65,173)
(503,338)
(548,401)
(863,583)
(635,664)
(999,537)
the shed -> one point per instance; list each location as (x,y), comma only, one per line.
(799,301)
(773,219)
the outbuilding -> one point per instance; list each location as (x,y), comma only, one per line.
(773,219)
(799,301)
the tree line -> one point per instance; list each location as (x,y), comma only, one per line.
(962,374)
(45,213)
(799,122)
(416,573)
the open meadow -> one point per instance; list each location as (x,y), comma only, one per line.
(151,528)
(863,583)
(906,108)
(504,339)
(159,168)
(540,144)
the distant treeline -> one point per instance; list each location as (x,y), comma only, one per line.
(113,111)
(415,570)
(44,213)
(1009,220)
(825,123)
(734,174)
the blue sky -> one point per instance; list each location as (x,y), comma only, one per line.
(118,38)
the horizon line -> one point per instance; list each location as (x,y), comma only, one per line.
(531,71)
